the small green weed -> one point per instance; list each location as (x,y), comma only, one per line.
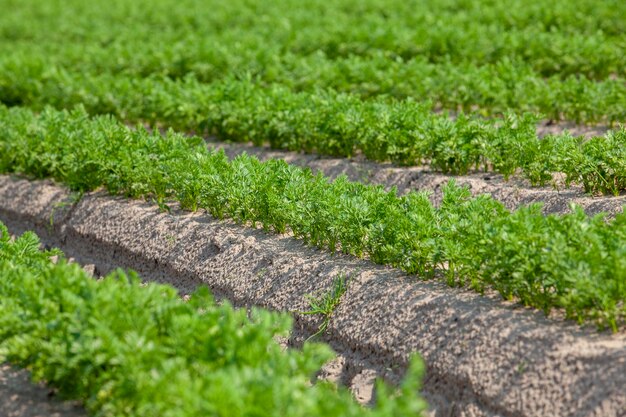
(326,303)
(72,199)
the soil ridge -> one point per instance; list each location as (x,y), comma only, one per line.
(484,357)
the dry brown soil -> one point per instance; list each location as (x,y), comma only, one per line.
(19,397)
(484,357)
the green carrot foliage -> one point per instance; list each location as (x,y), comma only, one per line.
(127,349)
(571,262)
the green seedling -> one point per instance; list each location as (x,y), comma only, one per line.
(326,303)
(73,199)
(171,239)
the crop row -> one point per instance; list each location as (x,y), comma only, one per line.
(459,55)
(131,350)
(494,88)
(331,123)
(572,261)
(581,38)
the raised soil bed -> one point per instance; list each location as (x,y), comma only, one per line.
(484,357)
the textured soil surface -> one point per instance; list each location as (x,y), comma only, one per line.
(484,357)
(19,397)
(512,193)
(551,127)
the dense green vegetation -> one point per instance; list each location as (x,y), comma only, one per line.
(569,261)
(491,88)
(582,38)
(456,85)
(404,132)
(131,350)
(341,78)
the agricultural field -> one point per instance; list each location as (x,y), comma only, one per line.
(349,208)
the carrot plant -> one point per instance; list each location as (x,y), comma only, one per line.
(405,132)
(324,304)
(571,262)
(564,61)
(127,349)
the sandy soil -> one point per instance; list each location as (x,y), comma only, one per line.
(484,357)
(512,193)
(19,397)
(550,127)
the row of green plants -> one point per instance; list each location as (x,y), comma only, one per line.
(245,74)
(404,132)
(127,349)
(492,88)
(80,20)
(556,60)
(580,37)
(572,262)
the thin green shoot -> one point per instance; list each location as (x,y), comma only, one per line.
(325,304)
(73,199)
